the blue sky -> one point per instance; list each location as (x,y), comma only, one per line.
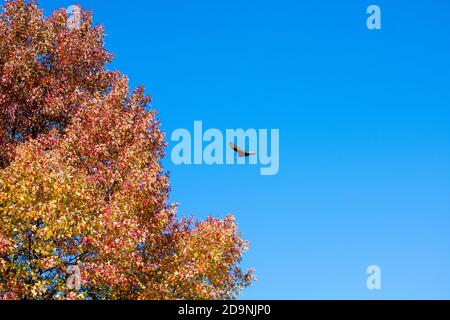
(364,132)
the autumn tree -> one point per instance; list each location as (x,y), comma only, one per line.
(81,179)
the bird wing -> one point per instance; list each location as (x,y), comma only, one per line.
(241,152)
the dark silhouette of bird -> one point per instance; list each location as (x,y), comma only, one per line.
(241,153)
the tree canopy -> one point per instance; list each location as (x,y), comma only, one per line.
(81,179)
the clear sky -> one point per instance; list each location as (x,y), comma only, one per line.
(364,127)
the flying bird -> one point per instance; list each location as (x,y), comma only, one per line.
(241,153)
